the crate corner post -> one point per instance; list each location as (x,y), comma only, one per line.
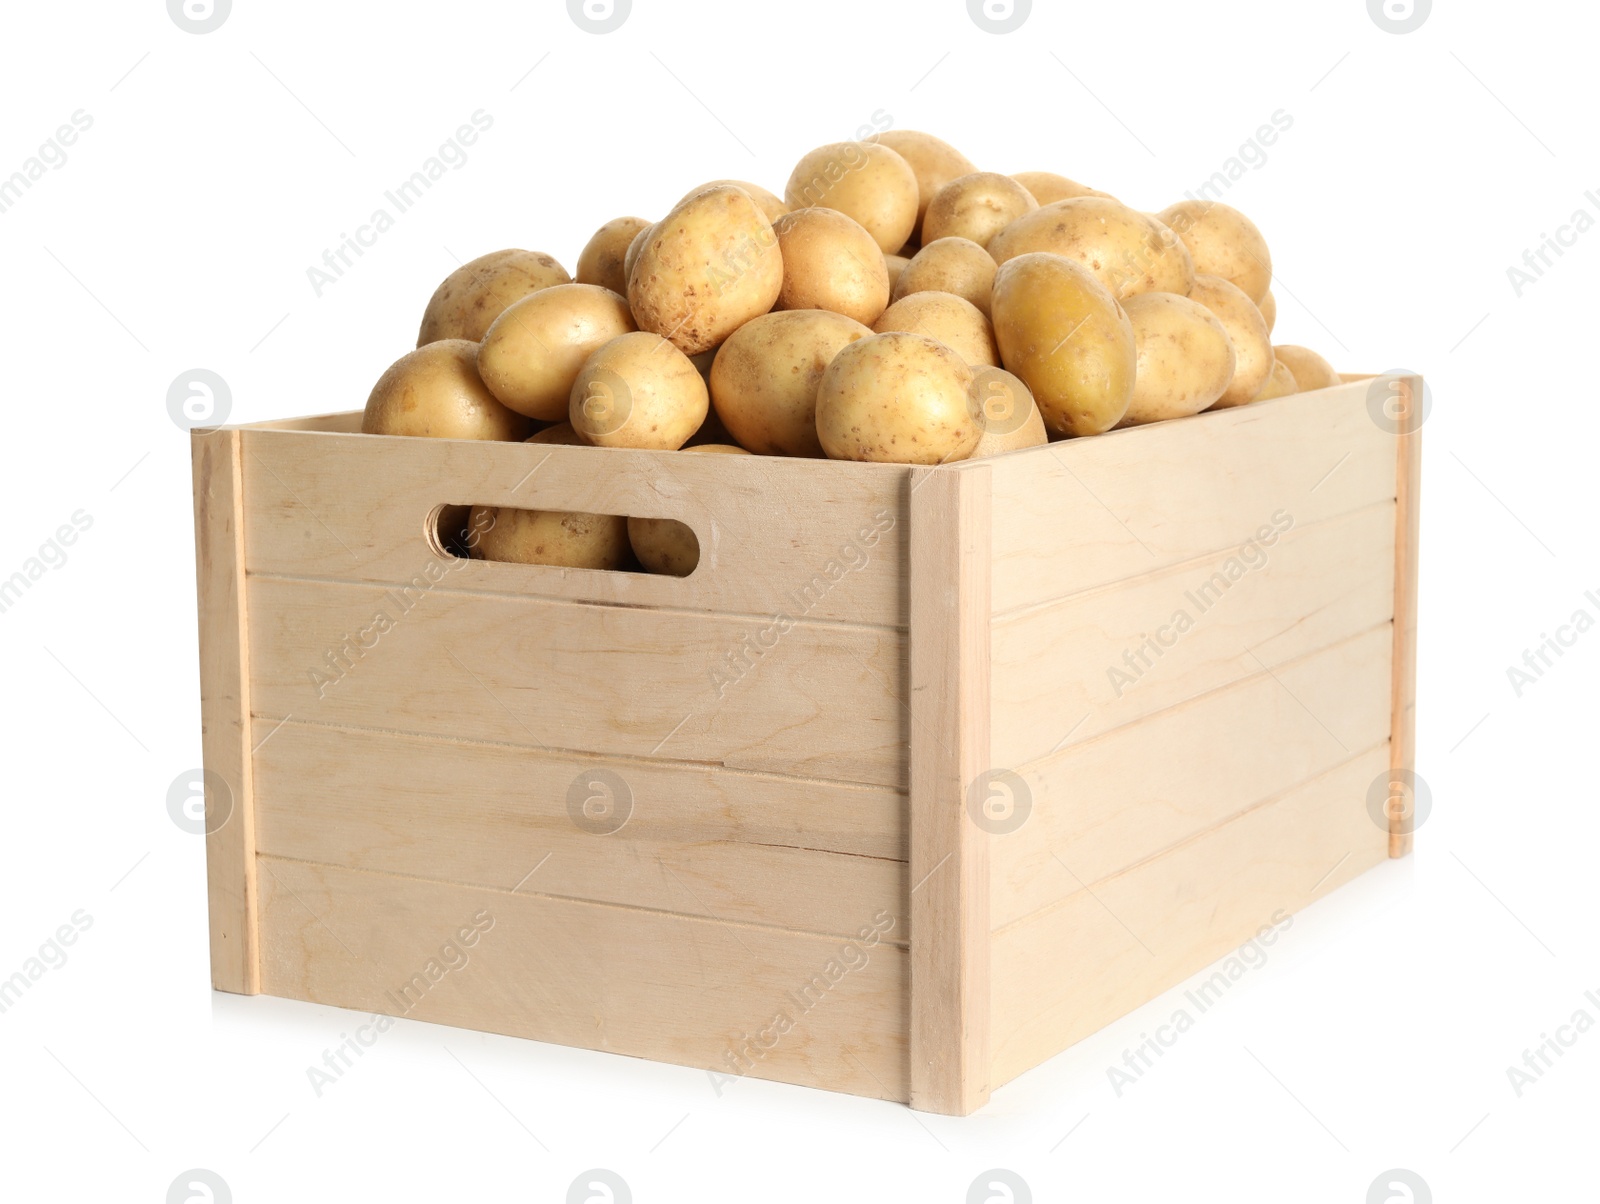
(1408,494)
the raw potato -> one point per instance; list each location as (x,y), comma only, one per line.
(895,265)
(665,545)
(1269,310)
(977,207)
(1128,252)
(1223,242)
(865,180)
(1065,335)
(531,355)
(831,262)
(435,391)
(1185,358)
(555,537)
(638,391)
(897,398)
(1247,331)
(1310,370)
(951,320)
(561,433)
(1006,412)
(470,298)
(933,161)
(765,378)
(706,269)
(603,259)
(770,203)
(632,257)
(1047,187)
(950,265)
(1279,384)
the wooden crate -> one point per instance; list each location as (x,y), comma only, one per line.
(812,884)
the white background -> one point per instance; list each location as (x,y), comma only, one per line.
(178,234)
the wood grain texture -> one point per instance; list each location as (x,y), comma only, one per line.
(225,711)
(1070,970)
(1408,473)
(601,977)
(950,618)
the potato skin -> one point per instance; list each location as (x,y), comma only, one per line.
(706,269)
(948,319)
(831,262)
(561,434)
(1185,358)
(765,378)
(1128,252)
(865,180)
(435,391)
(554,537)
(1047,187)
(1065,335)
(632,257)
(895,265)
(1269,309)
(1310,370)
(532,353)
(976,207)
(470,298)
(933,161)
(949,265)
(1006,412)
(897,398)
(1280,383)
(770,203)
(1222,242)
(1247,331)
(603,258)
(665,545)
(638,390)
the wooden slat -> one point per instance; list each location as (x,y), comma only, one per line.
(949,589)
(824,702)
(804,538)
(1111,802)
(779,851)
(1087,512)
(1060,672)
(590,975)
(1408,455)
(225,711)
(1067,972)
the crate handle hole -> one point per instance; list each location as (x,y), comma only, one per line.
(552,538)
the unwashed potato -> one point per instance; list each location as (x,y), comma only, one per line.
(1310,370)
(765,378)
(933,161)
(603,259)
(949,265)
(1006,413)
(555,537)
(1047,187)
(1223,242)
(894,265)
(470,298)
(665,545)
(1185,358)
(1280,383)
(706,269)
(531,354)
(948,319)
(831,262)
(435,391)
(1247,331)
(1065,335)
(865,180)
(1128,252)
(1269,309)
(561,433)
(897,398)
(638,390)
(977,206)
(632,256)
(770,203)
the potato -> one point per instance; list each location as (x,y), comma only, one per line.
(531,354)
(1047,187)
(1005,412)
(1128,252)
(632,257)
(764,381)
(554,537)
(894,265)
(949,265)
(638,390)
(831,262)
(933,161)
(561,433)
(603,258)
(665,545)
(470,298)
(1310,370)
(947,318)
(865,180)
(1247,331)
(769,203)
(1065,335)
(1223,242)
(435,391)
(897,398)
(1269,309)
(1280,383)
(706,269)
(977,207)
(1185,358)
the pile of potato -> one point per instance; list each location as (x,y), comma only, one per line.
(896,305)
